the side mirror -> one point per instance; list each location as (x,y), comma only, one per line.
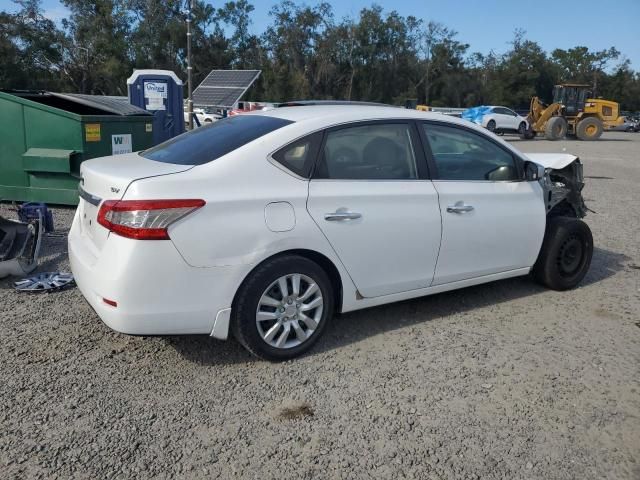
(533,172)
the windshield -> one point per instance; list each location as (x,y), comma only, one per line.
(208,143)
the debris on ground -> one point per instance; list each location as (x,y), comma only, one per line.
(45,282)
(19,246)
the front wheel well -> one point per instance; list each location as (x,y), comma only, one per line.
(324,262)
(563,209)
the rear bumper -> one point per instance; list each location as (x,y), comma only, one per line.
(156,291)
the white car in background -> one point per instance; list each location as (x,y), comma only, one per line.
(628,125)
(499,119)
(267,224)
(204,115)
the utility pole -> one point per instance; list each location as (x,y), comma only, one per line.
(189,67)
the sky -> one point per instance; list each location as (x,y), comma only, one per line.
(488,25)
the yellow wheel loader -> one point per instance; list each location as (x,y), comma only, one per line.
(572,113)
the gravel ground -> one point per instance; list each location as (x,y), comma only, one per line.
(500,381)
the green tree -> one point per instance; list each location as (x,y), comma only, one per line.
(33,47)
(581,65)
(623,86)
(523,72)
(94,56)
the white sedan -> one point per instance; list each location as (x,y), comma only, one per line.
(267,224)
(203,115)
(500,120)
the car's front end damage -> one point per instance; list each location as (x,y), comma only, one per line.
(562,184)
(19,246)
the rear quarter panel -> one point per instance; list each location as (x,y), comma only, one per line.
(231,228)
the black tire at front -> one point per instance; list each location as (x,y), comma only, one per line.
(491,126)
(243,321)
(522,128)
(528,134)
(550,268)
(556,128)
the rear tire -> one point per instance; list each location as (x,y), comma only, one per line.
(555,129)
(254,313)
(565,256)
(589,128)
(491,126)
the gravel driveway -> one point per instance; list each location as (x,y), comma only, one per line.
(499,381)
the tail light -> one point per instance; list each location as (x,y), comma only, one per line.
(144,219)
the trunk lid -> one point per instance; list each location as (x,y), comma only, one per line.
(108,178)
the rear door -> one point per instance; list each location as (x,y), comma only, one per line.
(492,220)
(371,198)
(503,121)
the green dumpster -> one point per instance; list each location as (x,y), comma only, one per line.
(44,136)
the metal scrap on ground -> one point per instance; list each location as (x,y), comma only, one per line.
(45,282)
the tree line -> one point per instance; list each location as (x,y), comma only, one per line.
(305,52)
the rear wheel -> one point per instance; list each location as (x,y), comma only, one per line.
(282,308)
(589,128)
(565,255)
(491,126)
(556,128)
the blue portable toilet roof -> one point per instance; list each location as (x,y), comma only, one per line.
(137,73)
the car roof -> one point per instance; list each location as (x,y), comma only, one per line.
(313,118)
(302,103)
(337,114)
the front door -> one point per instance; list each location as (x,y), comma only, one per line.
(512,119)
(370,198)
(492,220)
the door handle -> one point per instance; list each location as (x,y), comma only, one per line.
(459,207)
(341,216)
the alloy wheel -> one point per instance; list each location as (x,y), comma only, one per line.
(289,311)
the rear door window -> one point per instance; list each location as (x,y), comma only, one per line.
(210,142)
(369,152)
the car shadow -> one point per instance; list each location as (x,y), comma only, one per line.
(354,326)
(205,350)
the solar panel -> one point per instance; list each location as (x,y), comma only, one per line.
(217,96)
(230,78)
(223,88)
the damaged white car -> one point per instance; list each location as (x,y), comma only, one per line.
(267,224)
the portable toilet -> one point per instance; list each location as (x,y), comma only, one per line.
(160,93)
